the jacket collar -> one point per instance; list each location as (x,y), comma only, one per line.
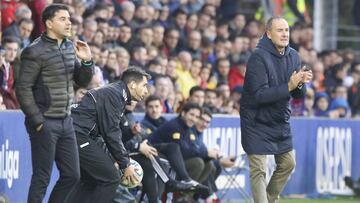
(267,44)
(156,122)
(182,122)
(125,92)
(45,37)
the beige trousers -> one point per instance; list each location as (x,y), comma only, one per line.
(269,193)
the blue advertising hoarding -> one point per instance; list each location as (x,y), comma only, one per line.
(325,152)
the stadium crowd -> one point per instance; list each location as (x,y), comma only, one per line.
(182,44)
(195,50)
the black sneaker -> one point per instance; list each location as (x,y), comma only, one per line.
(177,186)
(198,187)
(348,182)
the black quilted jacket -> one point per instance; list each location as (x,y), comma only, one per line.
(47,73)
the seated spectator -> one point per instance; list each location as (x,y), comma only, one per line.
(125,35)
(185,81)
(153,114)
(318,77)
(139,57)
(335,77)
(136,143)
(22,31)
(79,93)
(179,130)
(195,70)
(308,106)
(111,71)
(12,13)
(321,104)
(89,28)
(208,80)
(7,73)
(194,44)
(155,68)
(158,35)
(222,70)
(211,100)
(123,59)
(176,101)
(339,108)
(217,160)
(235,96)
(153,120)
(163,88)
(171,42)
(227,105)
(237,74)
(197,95)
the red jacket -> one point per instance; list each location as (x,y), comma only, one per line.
(235,78)
(8,9)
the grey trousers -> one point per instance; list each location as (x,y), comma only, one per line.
(269,193)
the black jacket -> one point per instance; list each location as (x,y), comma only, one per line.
(178,132)
(45,84)
(265,109)
(132,142)
(150,125)
(99,114)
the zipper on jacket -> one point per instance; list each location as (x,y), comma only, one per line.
(67,77)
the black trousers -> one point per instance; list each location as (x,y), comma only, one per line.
(99,176)
(173,154)
(150,186)
(55,141)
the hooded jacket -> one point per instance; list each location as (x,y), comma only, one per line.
(265,109)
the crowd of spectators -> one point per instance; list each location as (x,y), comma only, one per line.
(182,44)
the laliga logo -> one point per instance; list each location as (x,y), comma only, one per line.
(9,164)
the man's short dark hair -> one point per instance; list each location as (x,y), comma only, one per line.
(190,105)
(213,91)
(134,73)
(180,11)
(10,39)
(169,30)
(49,11)
(269,22)
(152,98)
(207,111)
(195,89)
